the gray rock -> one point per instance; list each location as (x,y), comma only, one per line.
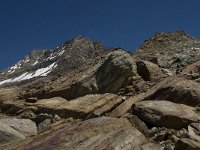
(25,127)
(149,71)
(9,135)
(87,106)
(165,113)
(193,133)
(176,89)
(93,134)
(173,50)
(187,144)
(44,125)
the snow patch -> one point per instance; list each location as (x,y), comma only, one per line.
(5,81)
(14,67)
(11,71)
(35,63)
(26,60)
(60,53)
(195,48)
(44,71)
(26,76)
(51,57)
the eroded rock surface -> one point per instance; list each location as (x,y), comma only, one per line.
(165,113)
(176,89)
(94,134)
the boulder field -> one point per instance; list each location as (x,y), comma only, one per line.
(113,101)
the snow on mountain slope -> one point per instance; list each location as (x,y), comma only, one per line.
(68,56)
(27,75)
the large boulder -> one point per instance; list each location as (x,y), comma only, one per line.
(13,129)
(8,134)
(192,71)
(89,105)
(25,127)
(176,89)
(93,134)
(165,113)
(149,71)
(114,72)
(107,76)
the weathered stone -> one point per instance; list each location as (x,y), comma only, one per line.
(8,134)
(193,133)
(114,71)
(94,134)
(126,106)
(153,131)
(187,144)
(152,59)
(173,50)
(25,127)
(107,76)
(89,105)
(31,99)
(175,89)
(165,113)
(169,147)
(44,125)
(149,71)
(11,94)
(191,69)
(196,127)
(149,146)
(161,136)
(137,123)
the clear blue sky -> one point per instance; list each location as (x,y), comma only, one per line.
(30,24)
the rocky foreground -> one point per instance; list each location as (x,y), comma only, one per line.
(106,99)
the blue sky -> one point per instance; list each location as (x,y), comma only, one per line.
(37,24)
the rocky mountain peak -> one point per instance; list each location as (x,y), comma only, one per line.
(173,50)
(163,39)
(69,56)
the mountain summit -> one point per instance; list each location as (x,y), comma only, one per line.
(173,50)
(67,57)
